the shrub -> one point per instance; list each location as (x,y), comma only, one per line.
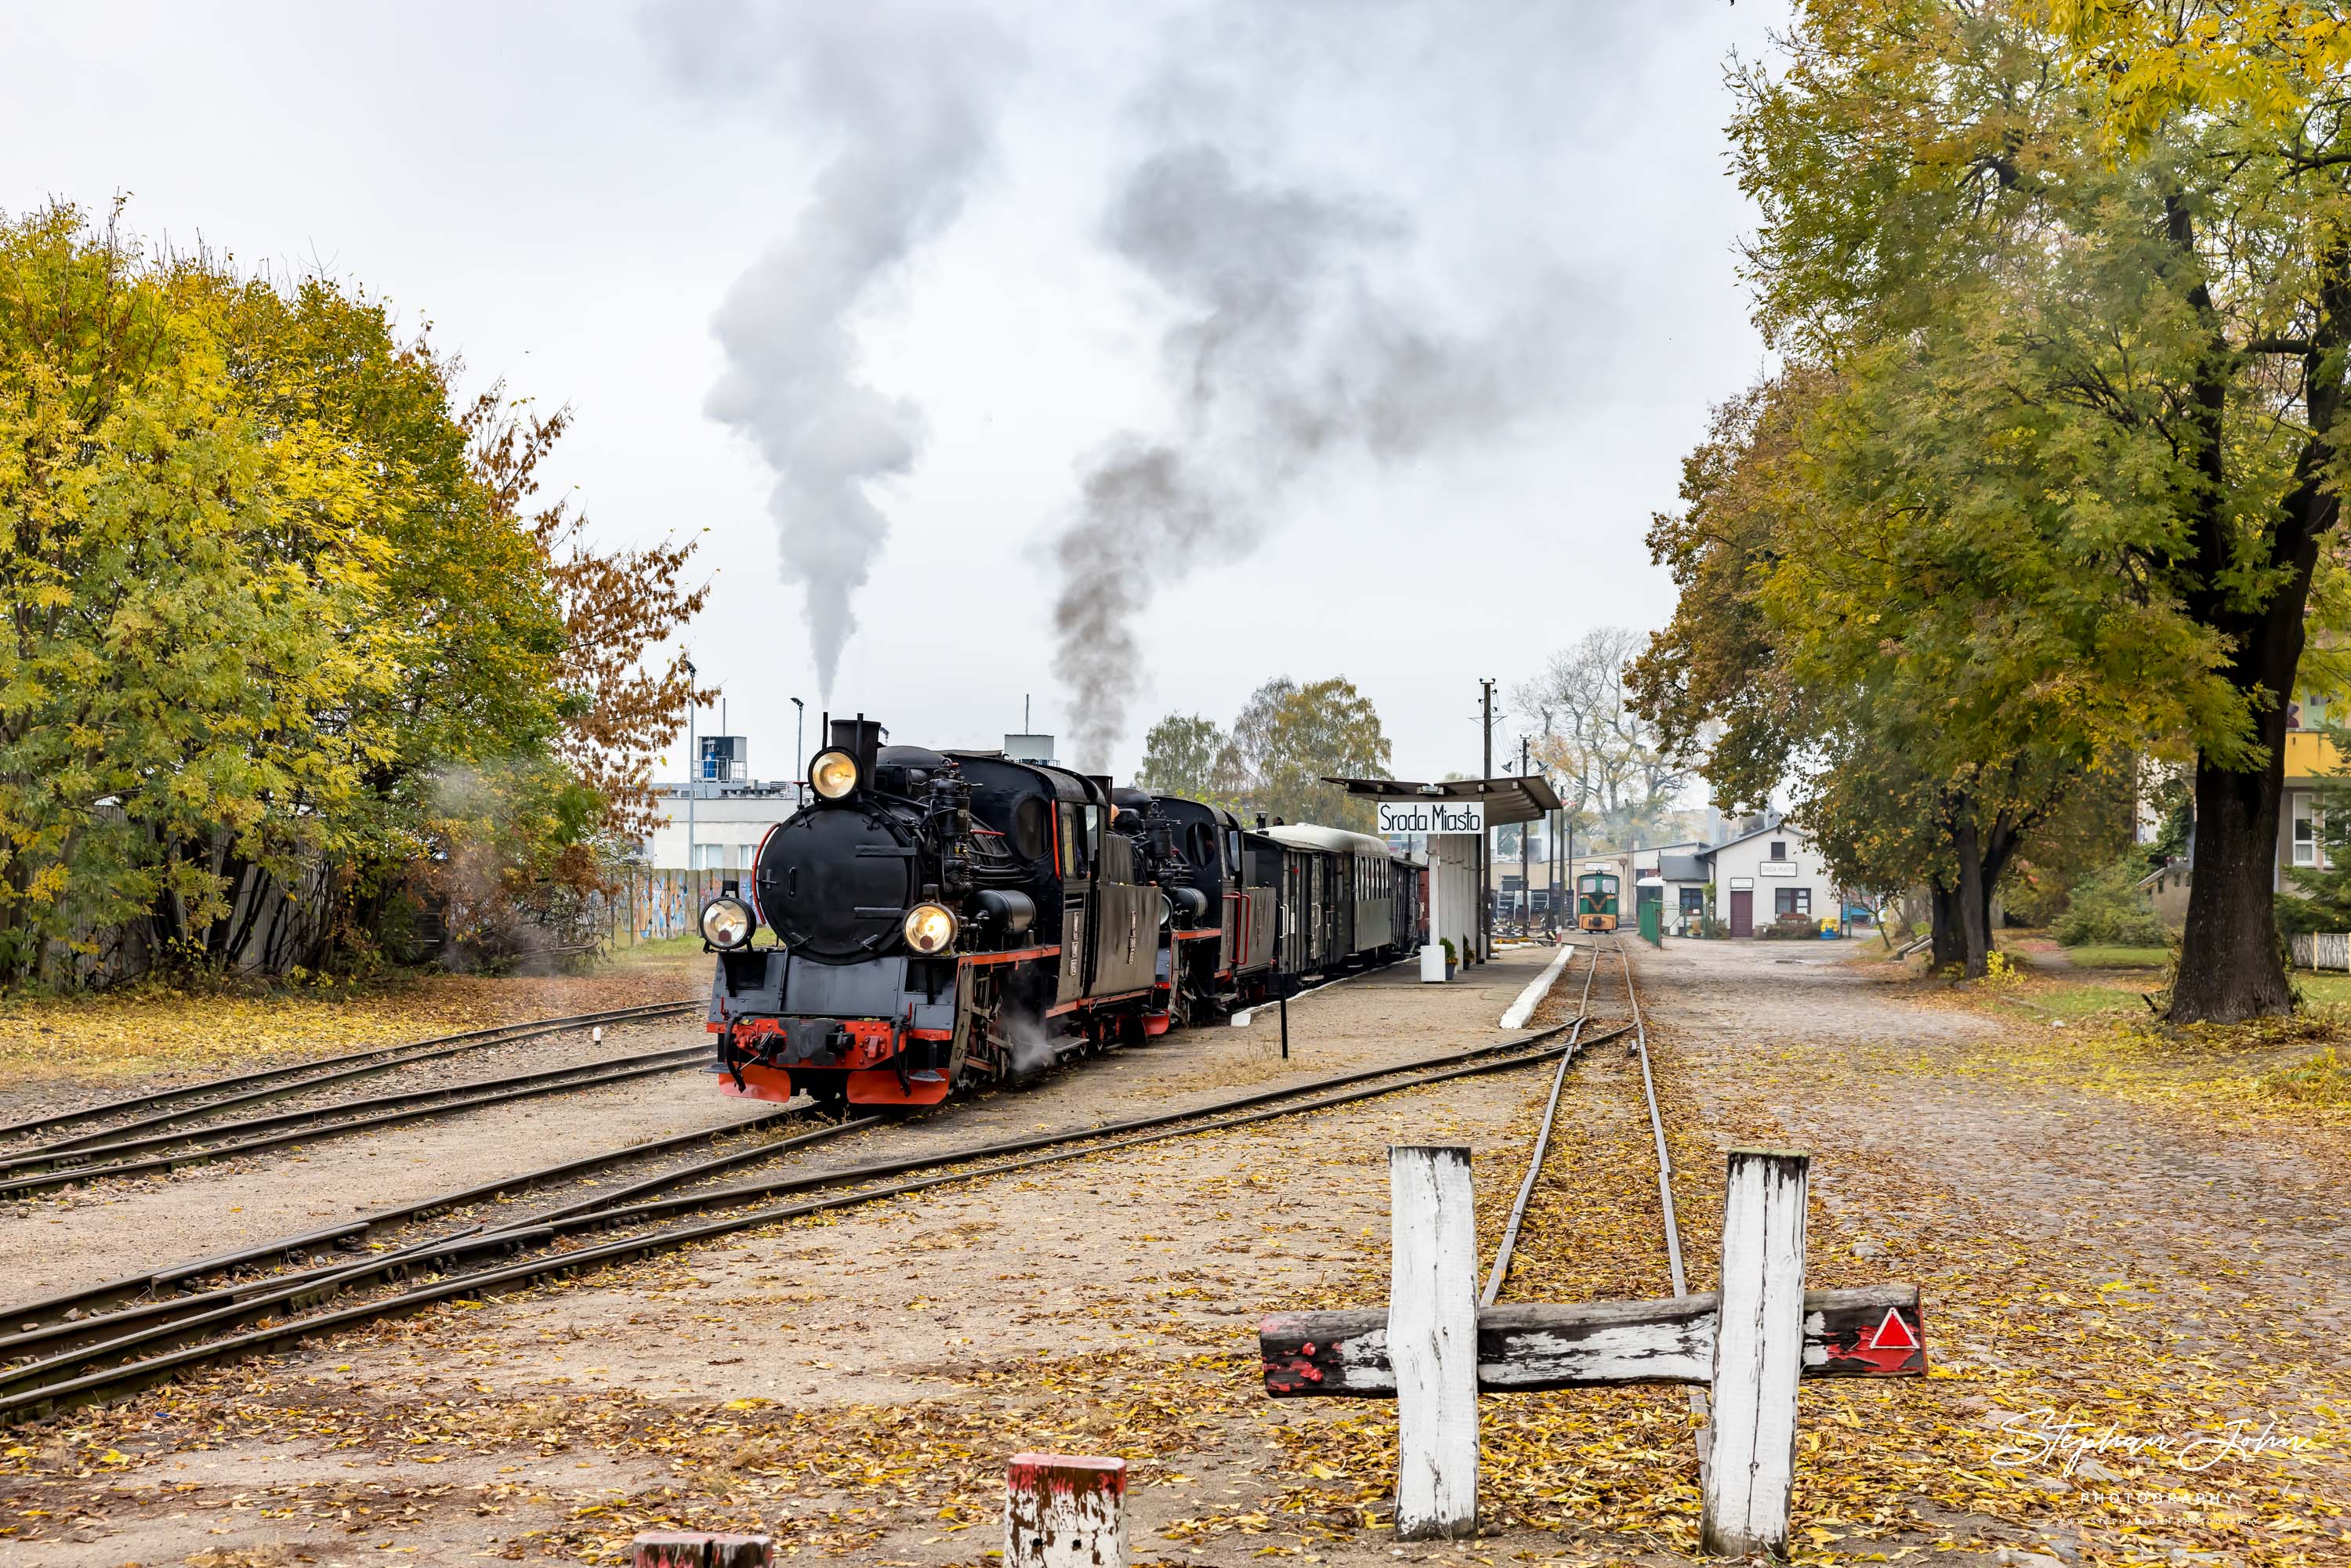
(2032,894)
(2107,908)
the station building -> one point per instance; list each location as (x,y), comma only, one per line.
(1769,874)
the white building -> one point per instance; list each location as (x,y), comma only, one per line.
(728,820)
(1771,874)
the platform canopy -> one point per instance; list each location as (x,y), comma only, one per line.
(1507,801)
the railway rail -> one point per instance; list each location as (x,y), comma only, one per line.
(41,1170)
(1505,1250)
(302,1077)
(172,1129)
(94,1358)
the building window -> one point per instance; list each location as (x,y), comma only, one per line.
(2307,830)
(1787,901)
(1779,849)
(1693,901)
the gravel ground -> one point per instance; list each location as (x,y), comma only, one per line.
(1160,1253)
(853,1382)
(50,1242)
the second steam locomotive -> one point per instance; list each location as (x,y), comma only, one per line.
(943,918)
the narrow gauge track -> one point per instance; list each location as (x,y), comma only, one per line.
(41,1172)
(1508,1245)
(47,1322)
(112,1152)
(153,1346)
(1500,1272)
(1638,1029)
(301,1076)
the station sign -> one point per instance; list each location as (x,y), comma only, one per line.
(1432,816)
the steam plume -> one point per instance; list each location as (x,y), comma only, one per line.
(909,94)
(1287,351)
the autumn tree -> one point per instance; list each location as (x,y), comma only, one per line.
(2120,225)
(187,586)
(1602,754)
(1180,757)
(282,639)
(1289,739)
(1886,608)
(1286,739)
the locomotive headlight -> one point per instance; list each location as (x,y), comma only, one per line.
(833,774)
(930,927)
(727,922)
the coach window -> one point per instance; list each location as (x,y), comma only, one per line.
(1075,855)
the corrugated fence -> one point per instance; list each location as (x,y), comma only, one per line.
(2323,950)
(652,905)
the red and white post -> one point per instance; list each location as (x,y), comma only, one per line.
(699,1549)
(1064,1511)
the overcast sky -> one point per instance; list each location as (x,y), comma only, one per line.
(1415,308)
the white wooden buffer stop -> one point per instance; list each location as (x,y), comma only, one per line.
(1750,1344)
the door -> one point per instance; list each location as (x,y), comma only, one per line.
(1077,873)
(1743,912)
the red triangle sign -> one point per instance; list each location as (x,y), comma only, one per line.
(1893,1334)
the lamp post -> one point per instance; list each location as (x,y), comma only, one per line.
(799,739)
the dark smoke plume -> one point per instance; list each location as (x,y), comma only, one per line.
(909,94)
(1288,352)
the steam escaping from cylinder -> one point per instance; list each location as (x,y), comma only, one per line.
(1287,349)
(1028,1042)
(908,95)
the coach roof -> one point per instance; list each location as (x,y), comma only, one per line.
(1335,841)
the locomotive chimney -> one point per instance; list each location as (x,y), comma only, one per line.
(862,738)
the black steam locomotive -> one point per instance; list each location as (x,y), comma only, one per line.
(949,918)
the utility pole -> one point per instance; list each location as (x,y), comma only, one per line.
(1485,838)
